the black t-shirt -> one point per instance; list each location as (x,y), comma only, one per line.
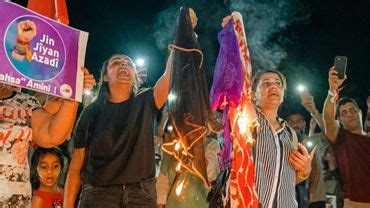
(120,145)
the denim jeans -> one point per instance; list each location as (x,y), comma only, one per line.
(141,194)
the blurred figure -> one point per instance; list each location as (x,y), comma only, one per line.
(195,193)
(350,143)
(159,137)
(333,182)
(298,123)
(307,101)
(315,186)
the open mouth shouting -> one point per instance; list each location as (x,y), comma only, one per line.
(124,75)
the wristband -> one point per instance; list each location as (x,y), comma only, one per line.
(20,41)
(333,96)
(314,113)
(23,48)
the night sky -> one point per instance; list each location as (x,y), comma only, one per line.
(298,37)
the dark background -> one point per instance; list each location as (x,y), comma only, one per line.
(298,37)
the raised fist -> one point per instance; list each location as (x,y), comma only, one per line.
(26,30)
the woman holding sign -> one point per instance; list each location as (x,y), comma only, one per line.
(22,121)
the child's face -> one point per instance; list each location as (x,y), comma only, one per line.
(49,168)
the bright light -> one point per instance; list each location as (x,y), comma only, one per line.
(243,123)
(179,187)
(140,62)
(171,97)
(301,88)
(169,128)
(309,144)
(177,146)
(178,167)
(87,92)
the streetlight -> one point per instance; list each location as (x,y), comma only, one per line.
(140,62)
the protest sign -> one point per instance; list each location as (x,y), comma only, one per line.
(40,54)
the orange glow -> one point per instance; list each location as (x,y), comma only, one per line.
(178,167)
(177,146)
(179,187)
(243,123)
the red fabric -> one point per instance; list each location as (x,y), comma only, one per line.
(242,185)
(47,8)
(353,158)
(50,200)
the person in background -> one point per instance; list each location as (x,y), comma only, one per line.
(350,143)
(195,193)
(333,182)
(313,189)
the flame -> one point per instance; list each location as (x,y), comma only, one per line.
(179,187)
(243,123)
(178,166)
(177,146)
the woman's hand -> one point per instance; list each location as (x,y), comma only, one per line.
(301,161)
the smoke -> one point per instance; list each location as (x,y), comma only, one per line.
(264,22)
(165,25)
(209,13)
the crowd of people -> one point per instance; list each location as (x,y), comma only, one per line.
(113,161)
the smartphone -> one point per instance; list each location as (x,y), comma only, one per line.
(340,64)
(308,144)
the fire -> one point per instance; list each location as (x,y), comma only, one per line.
(243,123)
(177,146)
(179,187)
(178,166)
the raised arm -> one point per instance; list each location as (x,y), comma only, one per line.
(330,124)
(73,178)
(307,100)
(162,87)
(52,129)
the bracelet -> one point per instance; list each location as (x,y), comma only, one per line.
(314,113)
(22,42)
(20,49)
(23,48)
(333,96)
(19,52)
